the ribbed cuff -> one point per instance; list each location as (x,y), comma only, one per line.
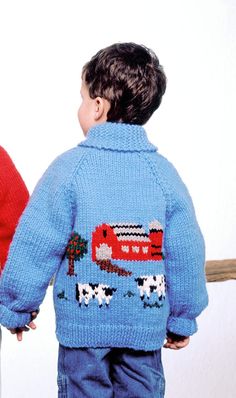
(182,326)
(11,319)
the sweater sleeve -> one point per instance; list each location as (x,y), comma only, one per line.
(185,260)
(37,248)
(13,199)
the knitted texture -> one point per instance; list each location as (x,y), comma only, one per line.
(13,199)
(113,221)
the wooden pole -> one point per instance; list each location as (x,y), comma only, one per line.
(220,270)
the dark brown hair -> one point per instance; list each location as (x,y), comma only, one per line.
(130,77)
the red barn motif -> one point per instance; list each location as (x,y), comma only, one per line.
(126,241)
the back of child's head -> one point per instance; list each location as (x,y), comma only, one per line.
(130,77)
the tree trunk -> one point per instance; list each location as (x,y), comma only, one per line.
(71,270)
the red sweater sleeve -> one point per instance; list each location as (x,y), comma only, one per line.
(13,199)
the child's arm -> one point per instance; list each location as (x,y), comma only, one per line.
(184,252)
(38,247)
(13,199)
(184,259)
(19,331)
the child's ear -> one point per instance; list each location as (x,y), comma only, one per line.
(101,108)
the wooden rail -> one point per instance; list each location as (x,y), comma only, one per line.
(220,270)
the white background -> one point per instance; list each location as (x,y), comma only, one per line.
(43,46)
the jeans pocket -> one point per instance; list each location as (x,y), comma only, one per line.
(62,386)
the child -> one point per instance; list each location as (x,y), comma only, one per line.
(112,220)
(13,199)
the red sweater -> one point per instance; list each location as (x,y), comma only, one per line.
(13,199)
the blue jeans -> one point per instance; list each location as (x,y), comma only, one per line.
(109,373)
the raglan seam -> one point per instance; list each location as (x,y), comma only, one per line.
(161,184)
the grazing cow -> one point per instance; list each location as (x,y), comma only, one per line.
(84,293)
(103,293)
(88,291)
(148,284)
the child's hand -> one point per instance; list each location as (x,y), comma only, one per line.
(19,331)
(176,342)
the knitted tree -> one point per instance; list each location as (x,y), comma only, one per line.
(76,249)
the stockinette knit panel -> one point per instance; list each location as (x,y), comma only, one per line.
(13,199)
(112,220)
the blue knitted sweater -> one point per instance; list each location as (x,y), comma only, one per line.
(113,222)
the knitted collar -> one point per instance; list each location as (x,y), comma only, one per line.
(118,136)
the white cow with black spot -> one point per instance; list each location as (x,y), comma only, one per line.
(84,293)
(102,293)
(148,284)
